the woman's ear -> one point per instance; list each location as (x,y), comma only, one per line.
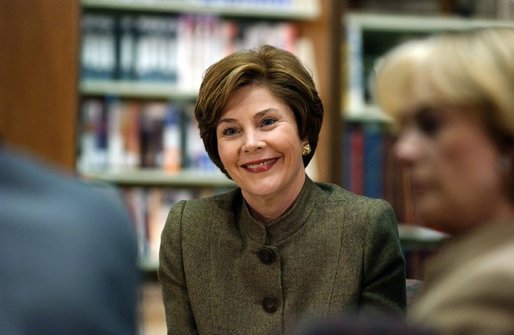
(506,160)
(506,166)
(306,149)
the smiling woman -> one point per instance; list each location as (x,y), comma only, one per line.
(279,247)
(261,150)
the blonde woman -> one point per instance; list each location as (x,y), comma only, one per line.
(453,99)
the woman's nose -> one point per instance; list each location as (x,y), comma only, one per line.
(252,141)
(408,147)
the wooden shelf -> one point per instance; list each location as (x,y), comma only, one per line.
(148,265)
(134,89)
(415,237)
(154,177)
(299,10)
(368,33)
(369,113)
(391,22)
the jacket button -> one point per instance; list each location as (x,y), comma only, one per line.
(267,256)
(270,304)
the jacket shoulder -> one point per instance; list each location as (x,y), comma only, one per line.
(333,193)
(201,214)
(213,205)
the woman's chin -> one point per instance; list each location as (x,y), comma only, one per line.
(432,214)
(437,220)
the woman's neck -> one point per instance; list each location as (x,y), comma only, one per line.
(267,209)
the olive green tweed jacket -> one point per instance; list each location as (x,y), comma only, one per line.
(223,272)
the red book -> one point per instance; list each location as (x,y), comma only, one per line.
(357,160)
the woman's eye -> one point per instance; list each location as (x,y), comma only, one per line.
(268,121)
(229,131)
(428,122)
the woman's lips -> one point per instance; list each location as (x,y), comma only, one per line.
(420,187)
(260,166)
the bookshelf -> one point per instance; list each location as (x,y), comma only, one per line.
(368,36)
(141,64)
(158,177)
(290,9)
(130,89)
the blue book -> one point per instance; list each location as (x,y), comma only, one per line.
(347,166)
(353,158)
(126,48)
(98,49)
(374,159)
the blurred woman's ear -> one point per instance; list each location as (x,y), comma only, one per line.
(506,165)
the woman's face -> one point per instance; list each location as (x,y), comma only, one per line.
(259,145)
(454,166)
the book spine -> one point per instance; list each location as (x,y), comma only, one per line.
(115,145)
(172,140)
(131,135)
(126,50)
(98,50)
(150,208)
(92,149)
(153,115)
(373,160)
(355,96)
(354,159)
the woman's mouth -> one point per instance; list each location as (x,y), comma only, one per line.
(421,188)
(260,166)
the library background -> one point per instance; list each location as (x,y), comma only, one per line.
(105,89)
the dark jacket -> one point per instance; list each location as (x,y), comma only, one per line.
(68,254)
(223,272)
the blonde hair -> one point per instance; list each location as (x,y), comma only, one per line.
(472,69)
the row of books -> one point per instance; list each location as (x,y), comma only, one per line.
(122,135)
(149,209)
(370,167)
(169,48)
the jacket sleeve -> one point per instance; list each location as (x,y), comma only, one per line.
(179,315)
(383,287)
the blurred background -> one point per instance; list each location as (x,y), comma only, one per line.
(104,89)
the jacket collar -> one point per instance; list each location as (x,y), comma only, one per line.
(287,224)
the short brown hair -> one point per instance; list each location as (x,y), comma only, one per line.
(279,71)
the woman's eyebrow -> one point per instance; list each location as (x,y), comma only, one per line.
(257,115)
(226,120)
(264,112)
